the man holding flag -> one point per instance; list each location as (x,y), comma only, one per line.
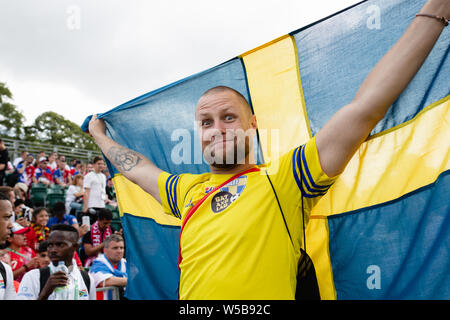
(234,243)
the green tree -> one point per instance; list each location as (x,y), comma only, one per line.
(4,92)
(53,128)
(11,119)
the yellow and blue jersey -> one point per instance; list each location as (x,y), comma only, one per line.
(236,245)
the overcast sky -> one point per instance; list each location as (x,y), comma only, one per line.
(83,57)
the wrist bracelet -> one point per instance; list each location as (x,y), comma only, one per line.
(439,18)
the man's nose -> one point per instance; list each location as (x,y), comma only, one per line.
(220,128)
(213,133)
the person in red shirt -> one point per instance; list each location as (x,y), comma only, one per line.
(23,258)
(38,230)
(29,171)
(62,175)
(43,173)
(26,171)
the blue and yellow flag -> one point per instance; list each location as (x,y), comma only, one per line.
(382,230)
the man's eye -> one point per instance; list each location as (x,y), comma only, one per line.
(229,118)
(206,123)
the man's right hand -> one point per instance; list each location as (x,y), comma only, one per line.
(58,279)
(97,126)
(134,166)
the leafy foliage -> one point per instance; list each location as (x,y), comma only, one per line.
(49,127)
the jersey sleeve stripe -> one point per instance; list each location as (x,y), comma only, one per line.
(174,192)
(169,193)
(294,170)
(310,192)
(313,184)
(295,167)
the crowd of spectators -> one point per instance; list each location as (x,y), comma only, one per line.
(89,198)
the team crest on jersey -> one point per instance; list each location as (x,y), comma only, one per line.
(2,284)
(228,194)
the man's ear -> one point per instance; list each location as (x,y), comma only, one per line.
(253,122)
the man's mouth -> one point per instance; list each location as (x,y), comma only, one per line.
(223,141)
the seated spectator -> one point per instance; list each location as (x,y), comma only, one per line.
(43,173)
(52,161)
(26,171)
(23,156)
(83,170)
(74,195)
(61,217)
(22,257)
(42,254)
(41,154)
(61,175)
(23,214)
(109,269)
(76,169)
(110,193)
(21,192)
(62,244)
(92,242)
(39,231)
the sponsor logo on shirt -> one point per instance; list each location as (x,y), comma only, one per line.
(190,204)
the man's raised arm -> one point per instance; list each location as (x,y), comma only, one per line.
(342,135)
(134,166)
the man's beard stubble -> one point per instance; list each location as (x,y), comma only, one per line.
(236,160)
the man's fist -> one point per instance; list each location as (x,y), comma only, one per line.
(96,126)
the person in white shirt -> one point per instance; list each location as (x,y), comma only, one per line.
(7,291)
(74,192)
(94,189)
(62,243)
(52,161)
(20,159)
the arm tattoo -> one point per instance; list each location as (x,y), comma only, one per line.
(124,159)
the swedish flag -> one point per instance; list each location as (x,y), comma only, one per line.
(382,229)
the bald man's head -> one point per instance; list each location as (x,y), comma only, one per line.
(227,127)
(232,92)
